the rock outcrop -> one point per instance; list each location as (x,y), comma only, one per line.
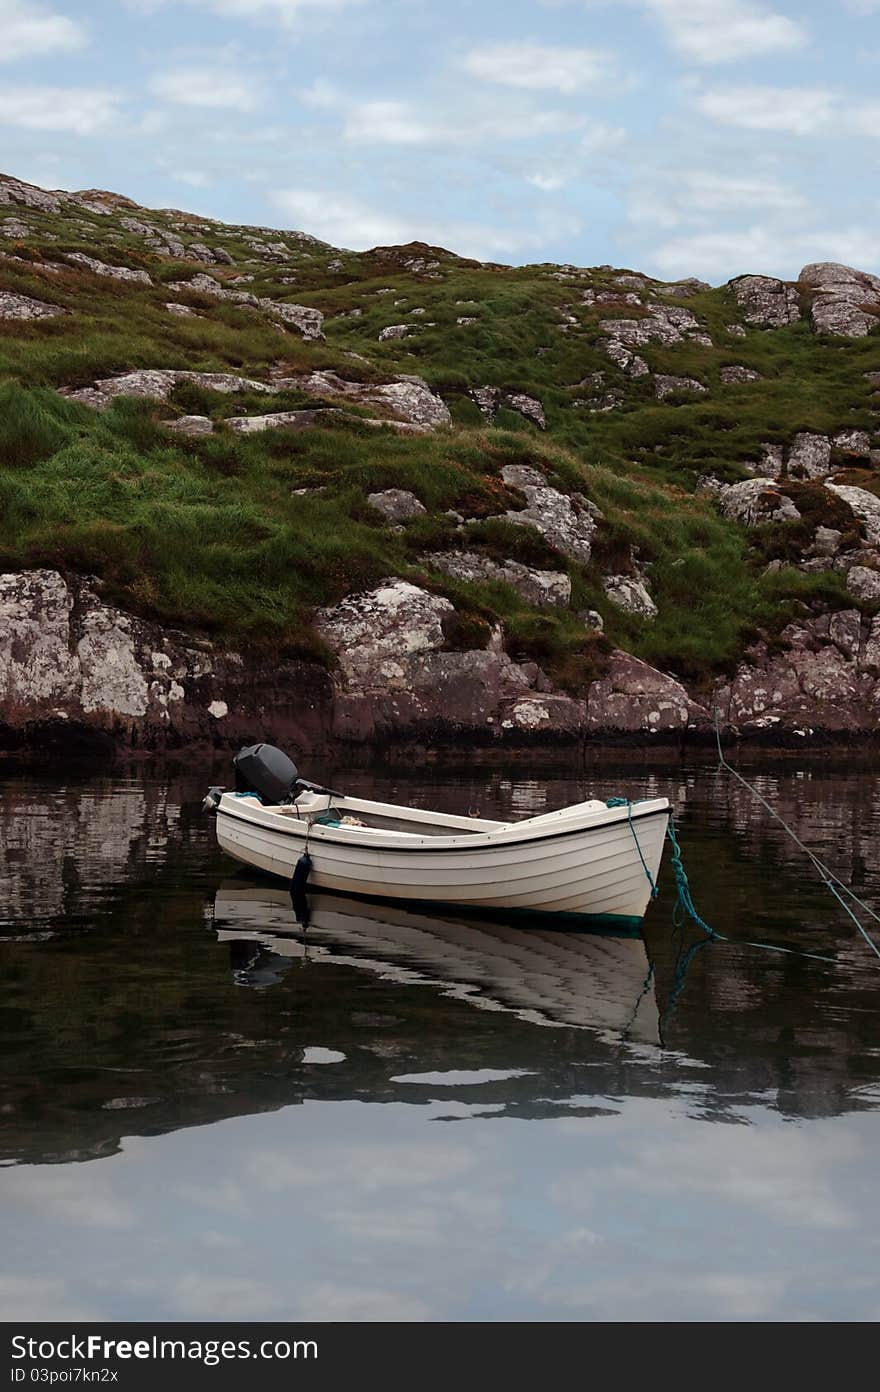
(766,303)
(846,302)
(75,669)
(824,682)
(754,501)
(567,524)
(546,589)
(14,306)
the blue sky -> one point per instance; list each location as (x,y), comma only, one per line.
(677,137)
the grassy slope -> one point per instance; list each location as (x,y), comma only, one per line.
(207,533)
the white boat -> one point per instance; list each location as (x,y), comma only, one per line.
(588,860)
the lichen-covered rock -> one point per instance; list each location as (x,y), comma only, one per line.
(754,501)
(158,383)
(100,268)
(14,227)
(666,324)
(543,588)
(396,680)
(624,358)
(865,506)
(393,331)
(674,386)
(863,584)
(14,306)
(683,289)
(397,505)
(630,592)
(820,684)
(182,311)
(766,303)
(855,444)
(527,406)
(732,376)
(72,663)
(29,196)
(410,398)
(564,522)
(846,302)
(809,456)
(279,420)
(190,425)
(634,698)
(309,322)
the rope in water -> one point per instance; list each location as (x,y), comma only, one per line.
(830,880)
(685,904)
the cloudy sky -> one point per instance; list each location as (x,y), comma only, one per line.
(678,137)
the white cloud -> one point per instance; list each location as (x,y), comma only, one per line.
(764,249)
(865,119)
(31,31)
(346,221)
(547,183)
(601,137)
(79,110)
(399,123)
(724,31)
(794,110)
(206,86)
(696,194)
(285,12)
(862,7)
(538,67)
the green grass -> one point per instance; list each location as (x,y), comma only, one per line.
(209,534)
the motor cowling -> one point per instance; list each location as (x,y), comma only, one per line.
(266,770)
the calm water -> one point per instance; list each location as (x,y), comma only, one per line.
(202,1116)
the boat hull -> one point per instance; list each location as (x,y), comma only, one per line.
(597,865)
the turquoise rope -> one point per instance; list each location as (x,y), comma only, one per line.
(625,802)
(685,904)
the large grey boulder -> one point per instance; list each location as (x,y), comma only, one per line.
(865,506)
(863,584)
(13,306)
(634,698)
(543,588)
(100,268)
(821,683)
(564,522)
(754,501)
(157,384)
(71,661)
(665,385)
(809,456)
(630,592)
(665,324)
(409,398)
(846,302)
(624,358)
(396,679)
(279,420)
(766,303)
(397,505)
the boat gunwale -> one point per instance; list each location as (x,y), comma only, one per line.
(479,841)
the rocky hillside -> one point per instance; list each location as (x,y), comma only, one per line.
(251,483)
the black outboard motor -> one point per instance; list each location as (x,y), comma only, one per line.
(263,769)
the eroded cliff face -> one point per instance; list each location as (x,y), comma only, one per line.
(76,671)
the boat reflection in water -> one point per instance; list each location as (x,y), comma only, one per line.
(545,976)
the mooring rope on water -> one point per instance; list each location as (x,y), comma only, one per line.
(830,880)
(685,903)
